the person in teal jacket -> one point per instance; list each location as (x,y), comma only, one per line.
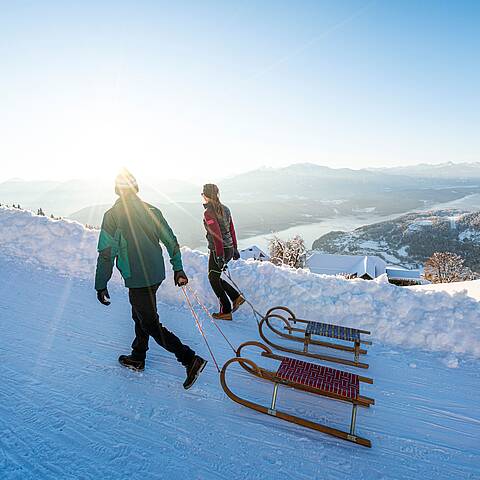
(130,238)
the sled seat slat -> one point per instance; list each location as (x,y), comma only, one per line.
(327,379)
(333,331)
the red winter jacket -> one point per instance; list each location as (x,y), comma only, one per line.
(220,231)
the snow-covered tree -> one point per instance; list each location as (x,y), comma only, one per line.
(289,252)
(447,267)
(276,247)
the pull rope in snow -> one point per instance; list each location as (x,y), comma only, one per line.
(255,311)
(195,296)
(199,326)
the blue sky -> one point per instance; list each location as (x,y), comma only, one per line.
(198,90)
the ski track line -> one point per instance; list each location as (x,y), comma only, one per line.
(65,413)
(50,433)
(99,445)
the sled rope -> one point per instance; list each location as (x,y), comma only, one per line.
(195,296)
(199,326)
(255,311)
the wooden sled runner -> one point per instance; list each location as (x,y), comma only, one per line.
(308,377)
(314,328)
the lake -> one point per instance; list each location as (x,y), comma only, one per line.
(313,231)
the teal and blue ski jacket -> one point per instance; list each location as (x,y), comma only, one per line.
(130,236)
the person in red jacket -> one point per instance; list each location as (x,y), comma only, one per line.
(222,245)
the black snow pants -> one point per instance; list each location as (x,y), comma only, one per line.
(147,324)
(223,290)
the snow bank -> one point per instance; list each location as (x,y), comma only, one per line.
(61,244)
(436,321)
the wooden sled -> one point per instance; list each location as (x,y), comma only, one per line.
(308,377)
(314,328)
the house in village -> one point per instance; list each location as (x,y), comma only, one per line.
(366,267)
(254,252)
(404,277)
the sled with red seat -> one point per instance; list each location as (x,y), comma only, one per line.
(307,377)
(312,328)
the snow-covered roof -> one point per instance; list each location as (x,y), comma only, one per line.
(253,252)
(399,273)
(359,265)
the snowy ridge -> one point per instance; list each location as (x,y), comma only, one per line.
(410,239)
(436,321)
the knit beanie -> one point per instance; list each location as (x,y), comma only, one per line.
(125,182)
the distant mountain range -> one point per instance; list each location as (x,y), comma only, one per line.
(411,239)
(305,181)
(266,199)
(466,171)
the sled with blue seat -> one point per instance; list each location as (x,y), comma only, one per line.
(306,336)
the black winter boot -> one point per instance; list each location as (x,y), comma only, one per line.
(193,371)
(130,362)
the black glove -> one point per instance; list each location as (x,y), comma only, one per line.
(221,263)
(236,254)
(180,278)
(102,296)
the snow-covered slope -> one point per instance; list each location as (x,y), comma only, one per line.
(69,411)
(438,322)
